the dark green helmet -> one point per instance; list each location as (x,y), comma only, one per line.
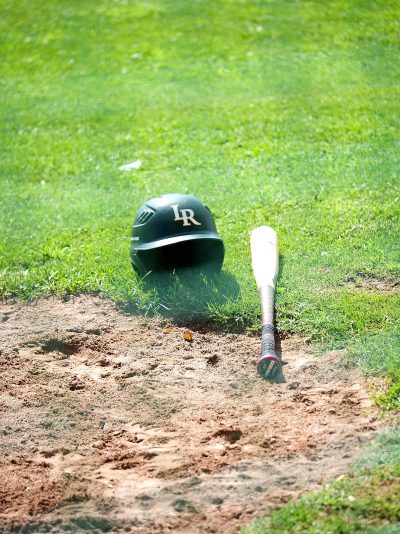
(174,231)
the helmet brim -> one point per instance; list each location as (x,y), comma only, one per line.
(173,240)
(204,250)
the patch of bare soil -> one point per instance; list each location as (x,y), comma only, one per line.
(379,285)
(112,423)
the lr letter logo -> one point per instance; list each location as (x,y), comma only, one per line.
(185,215)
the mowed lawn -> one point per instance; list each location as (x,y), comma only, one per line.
(281,113)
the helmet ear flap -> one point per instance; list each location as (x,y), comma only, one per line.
(135,268)
(138,266)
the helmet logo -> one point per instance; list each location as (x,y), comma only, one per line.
(185,215)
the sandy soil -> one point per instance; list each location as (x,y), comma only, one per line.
(112,423)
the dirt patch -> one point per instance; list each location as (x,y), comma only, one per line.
(378,285)
(113,423)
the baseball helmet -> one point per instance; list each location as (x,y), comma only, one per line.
(175,231)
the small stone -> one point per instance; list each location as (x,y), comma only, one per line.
(76,384)
(143,498)
(213,359)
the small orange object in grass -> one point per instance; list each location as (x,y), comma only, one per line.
(188,336)
(168,330)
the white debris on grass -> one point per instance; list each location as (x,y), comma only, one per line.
(134,165)
(136,55)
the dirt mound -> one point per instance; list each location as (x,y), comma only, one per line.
(115,423)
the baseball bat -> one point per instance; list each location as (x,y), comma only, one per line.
(265,263)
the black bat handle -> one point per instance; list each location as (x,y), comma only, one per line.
(269,363)
(267,340)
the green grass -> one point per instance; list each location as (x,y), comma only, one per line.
(379,354)
(367,500)
(281,113)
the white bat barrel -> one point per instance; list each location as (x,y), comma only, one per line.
(264,256)
(265,263)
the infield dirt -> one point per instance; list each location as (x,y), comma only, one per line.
(116,423)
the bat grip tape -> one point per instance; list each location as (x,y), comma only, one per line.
(269,362)
(267,340)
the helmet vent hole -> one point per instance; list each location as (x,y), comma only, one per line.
(146,214)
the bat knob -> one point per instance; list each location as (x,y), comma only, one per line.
(268,366)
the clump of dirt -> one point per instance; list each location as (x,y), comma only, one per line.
(113,423)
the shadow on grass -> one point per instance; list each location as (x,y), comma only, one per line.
(194,297)
(187,296)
